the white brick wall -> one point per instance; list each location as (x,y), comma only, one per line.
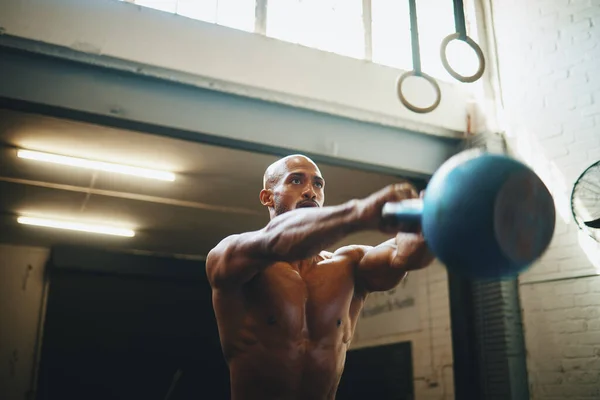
(562,333)
(549,68)
(432,343)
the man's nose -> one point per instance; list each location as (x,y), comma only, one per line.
(309,193)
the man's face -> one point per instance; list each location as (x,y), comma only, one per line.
(300,186)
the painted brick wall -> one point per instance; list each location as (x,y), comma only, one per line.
(562,322)
(432,342)
(549,69)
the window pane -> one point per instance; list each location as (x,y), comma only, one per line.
(329,25)
(390,28)
(238,14)
(436,21)
(204,10)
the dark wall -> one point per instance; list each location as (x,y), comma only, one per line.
(378,373)
(122,326)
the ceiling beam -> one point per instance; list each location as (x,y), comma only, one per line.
(34,81)
(132,196)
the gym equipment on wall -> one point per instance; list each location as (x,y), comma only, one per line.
(416,71)
(585,201)
(460,34)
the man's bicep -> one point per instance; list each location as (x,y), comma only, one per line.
(235,260)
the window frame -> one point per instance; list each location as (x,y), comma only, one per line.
(261,18)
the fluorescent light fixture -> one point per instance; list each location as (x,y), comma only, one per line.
(96,165)
(76,226)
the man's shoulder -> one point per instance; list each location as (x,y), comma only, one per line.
(222,245)
(234,239)
(228,240)
(227,244)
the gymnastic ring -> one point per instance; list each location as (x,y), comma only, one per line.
(436,87)
(474,46)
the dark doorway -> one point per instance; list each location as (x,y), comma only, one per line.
(123,326)
(382,373)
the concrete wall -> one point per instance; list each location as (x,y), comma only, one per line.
(549,68)
(21,309)
(431,340)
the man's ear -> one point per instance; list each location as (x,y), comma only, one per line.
(266,197)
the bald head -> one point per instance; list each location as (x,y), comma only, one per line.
(292,182)
(281,167)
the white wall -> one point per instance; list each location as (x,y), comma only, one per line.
(431,340)
(21,309)
(225,59)
(549,63)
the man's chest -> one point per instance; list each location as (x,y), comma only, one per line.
(314,301)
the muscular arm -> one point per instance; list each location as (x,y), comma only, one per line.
(289,237)
(382,267)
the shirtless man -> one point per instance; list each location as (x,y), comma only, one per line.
(286,309)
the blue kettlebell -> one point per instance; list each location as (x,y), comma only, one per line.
(485,216)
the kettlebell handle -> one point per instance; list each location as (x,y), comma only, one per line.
(409,210)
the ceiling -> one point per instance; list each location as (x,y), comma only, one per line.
(215,193)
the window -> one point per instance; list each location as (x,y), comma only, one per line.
(330,25)
(391,36)
(238,14)
(373,30)
(390,27)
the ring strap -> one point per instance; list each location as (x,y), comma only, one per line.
(414,38)
(459,19)
(461,34)
(416,58)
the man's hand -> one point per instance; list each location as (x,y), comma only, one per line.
(371,209)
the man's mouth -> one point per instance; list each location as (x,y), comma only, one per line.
(307,204)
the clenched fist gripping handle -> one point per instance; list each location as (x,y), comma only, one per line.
(485,216)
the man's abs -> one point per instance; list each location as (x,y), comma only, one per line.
(301,370)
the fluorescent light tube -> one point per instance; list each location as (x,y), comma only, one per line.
(76,226)
(96,165)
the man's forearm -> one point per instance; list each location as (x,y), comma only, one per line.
(305,232)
